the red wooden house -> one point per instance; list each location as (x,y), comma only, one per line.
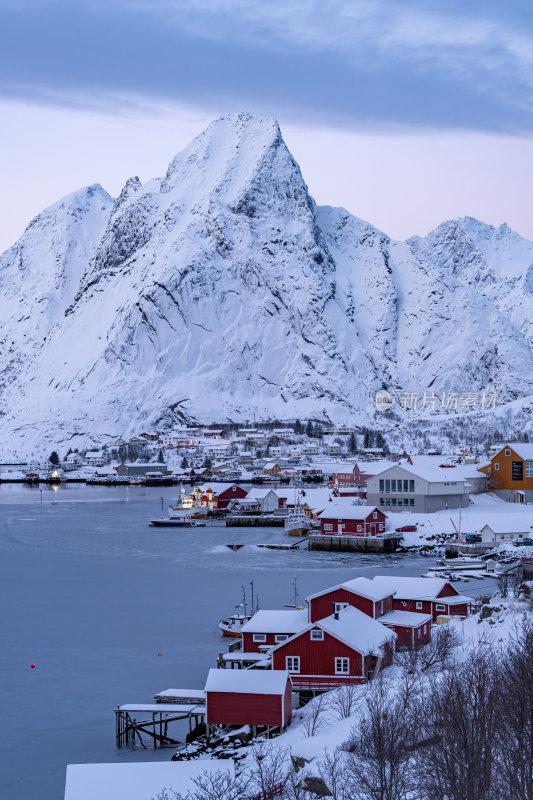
(269,628)
(248,697)
(434,596)
(347,647)
(413,630)
(217,496)
(361,593)
(345,518)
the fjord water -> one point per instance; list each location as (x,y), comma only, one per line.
(91,594)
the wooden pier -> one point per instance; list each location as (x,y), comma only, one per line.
(245,521)
(354,544)
(154,722)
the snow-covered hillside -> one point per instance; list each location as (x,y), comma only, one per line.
(222,291)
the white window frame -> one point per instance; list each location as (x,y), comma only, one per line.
(375,515)
(340,606)
(529,469)
(316,635)
(282,637)
(342,662)
(440,607)
(359,528)
(328,526)
(507,452)
(260,637)
(292,663)
(496,467)
(419,604)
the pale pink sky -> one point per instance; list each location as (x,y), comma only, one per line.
(404,182)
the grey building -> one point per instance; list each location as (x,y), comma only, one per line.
(136,470)
(407,487)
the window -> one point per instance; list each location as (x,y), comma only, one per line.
(280,637)
(496,467)
(317,635)
(387,485)
(328,526)
(292,663)
(411,486)
(393,485)
(381,526)
(381,501)
(381,485)
(387,501)
(425,629)
(339,606)
(260,637)
(375,515)
(507,452)
(359,527)
(382,607)
(406,486)
(419,604)
(419,633)
(342,666)
(517,471)
(393,501)
(400,501)
(440,607)
(411,501)
(529,469)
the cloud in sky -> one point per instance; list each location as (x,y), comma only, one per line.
(373,63)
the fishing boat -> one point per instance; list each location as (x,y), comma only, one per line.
(177,522)
(232,626)
(297,524)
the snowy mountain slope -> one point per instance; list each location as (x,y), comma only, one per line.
(222,291)
(40,274)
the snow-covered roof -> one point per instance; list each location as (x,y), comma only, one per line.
(357,630)
(522,449)
(411,588)
(362,586)
(246,681)
(138,780)
(216,487)
(431,472)
(407,619)
(344,509)
(277,621)
(259,494)
(506,526)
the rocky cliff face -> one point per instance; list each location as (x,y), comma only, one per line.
(222,291)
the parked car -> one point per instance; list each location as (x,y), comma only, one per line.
(523,543)
(406,529)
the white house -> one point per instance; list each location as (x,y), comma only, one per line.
(504,531)
(410,486)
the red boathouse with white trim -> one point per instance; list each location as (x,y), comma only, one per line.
(248,697)
(344,518)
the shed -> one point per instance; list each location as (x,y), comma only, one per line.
(248,697)
(412,629)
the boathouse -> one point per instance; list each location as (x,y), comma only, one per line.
(372,599)
(349,520)
(413,630)
(346,647)
(249,697)
(269,628)
(217,496)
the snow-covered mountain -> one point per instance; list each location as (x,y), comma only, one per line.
(221,291)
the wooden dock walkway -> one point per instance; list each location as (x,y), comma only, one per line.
(245,521)
(154,721)
(352,544)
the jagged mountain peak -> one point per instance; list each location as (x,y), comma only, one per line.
(222,291)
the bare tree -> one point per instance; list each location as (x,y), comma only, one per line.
(457,722)
(332,768)
(503,584)
(313,719)
(267,772)
(514,751)
(220,785)
(378,766)
(345,700)
(517,579)
(438,653)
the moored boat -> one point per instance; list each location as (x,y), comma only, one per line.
(232,626)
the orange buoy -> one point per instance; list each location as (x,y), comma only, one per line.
(160,654)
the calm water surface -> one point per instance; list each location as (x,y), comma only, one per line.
(90,594)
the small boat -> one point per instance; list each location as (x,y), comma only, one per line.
(177,522)
(297,603)
(297,524)
(232,626)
